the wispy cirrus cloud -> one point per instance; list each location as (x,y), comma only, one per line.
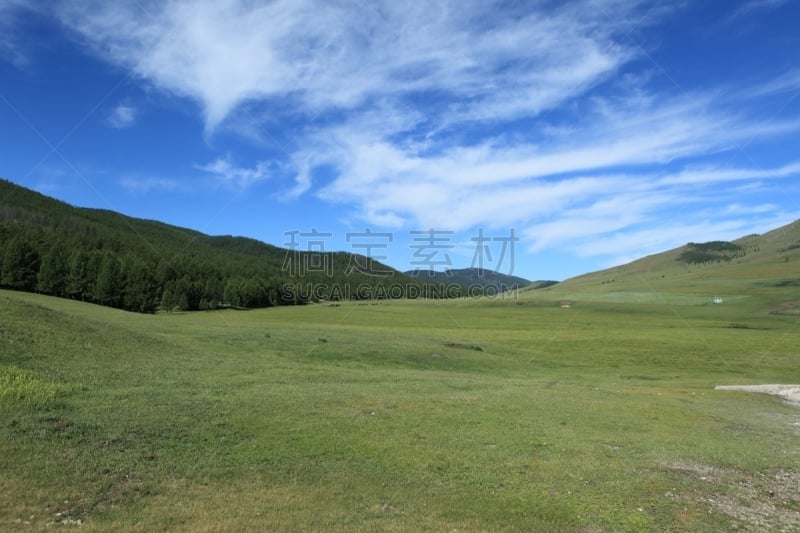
(498,182)
(146,184)
(711,175)
(648,213)
(229,173)
(788,82)
(323,56)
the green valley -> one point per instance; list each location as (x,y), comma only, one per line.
(589,405)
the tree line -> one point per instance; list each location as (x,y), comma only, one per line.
(104,257)
(33,261)
(106,273)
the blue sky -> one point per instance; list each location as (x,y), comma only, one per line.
(594,132)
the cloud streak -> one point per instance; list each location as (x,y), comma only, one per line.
(754,6)
(10,49)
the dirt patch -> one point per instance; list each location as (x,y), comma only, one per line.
(790,308)
(699,470)
(790,393)
(736,325)
(459,346)
(754,501)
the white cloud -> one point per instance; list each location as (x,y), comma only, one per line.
(326,56)
(606,212)
(494,183)
(229,173)
(123,116)
(646,214)
(738,209)
(144,185)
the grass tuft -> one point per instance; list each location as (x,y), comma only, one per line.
(29,389)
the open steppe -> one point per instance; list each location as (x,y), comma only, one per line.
(471,415)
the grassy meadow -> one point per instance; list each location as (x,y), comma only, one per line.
(472,415)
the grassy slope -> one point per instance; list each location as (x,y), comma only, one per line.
(660,278)
(600,417)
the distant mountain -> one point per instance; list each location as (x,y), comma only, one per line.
(472,278)
(108,258)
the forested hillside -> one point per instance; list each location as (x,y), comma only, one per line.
(107,258)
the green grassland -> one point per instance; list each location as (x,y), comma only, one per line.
(471,415)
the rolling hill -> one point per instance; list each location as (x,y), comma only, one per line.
(766,265)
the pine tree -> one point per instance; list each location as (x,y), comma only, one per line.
(54,271)
(187,294)
(168,301)
(138,285)
(108,290)
(79,284)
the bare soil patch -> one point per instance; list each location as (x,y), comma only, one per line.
(790,393)
(459,346)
